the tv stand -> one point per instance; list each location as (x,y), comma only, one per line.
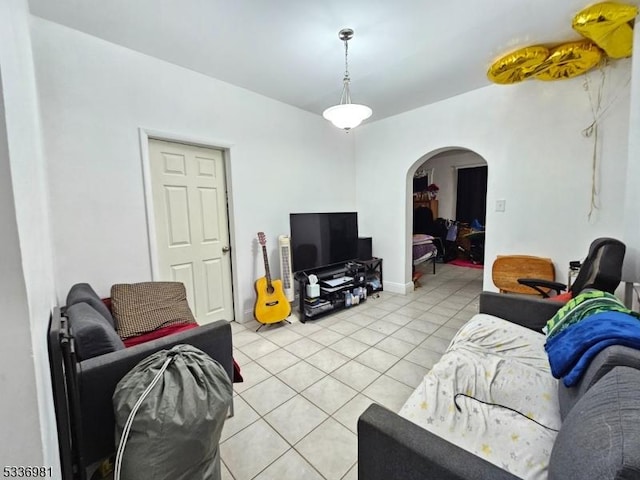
(332,297)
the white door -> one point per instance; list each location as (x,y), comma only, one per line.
(192,228)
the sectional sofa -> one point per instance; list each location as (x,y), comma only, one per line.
(491,409)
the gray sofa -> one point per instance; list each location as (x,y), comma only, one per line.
(599,436)
(88,359)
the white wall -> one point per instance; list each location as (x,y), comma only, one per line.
(28,434)
(445,175)
(20,442)
(631,271)
(96,95)
(538,160)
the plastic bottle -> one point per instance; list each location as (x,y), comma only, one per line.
(347,299)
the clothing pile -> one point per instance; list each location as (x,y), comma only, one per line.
(585,326)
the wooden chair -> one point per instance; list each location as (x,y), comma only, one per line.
(507,269)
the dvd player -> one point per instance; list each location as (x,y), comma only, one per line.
(336,282)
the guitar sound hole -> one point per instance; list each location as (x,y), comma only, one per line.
(270,290)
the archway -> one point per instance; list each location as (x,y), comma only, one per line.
(442,167)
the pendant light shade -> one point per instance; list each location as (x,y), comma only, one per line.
(346,115)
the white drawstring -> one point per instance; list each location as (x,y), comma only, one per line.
(134,410)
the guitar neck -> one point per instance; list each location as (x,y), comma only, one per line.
(266,266)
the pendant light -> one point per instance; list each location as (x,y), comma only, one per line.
(346,115)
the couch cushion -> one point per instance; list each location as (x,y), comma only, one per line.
(607,359)
(495,361)
(82,292)
(144,307)
(600,438)
(158,333)
(93,334)
(488,333)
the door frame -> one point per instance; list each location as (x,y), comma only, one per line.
(482,161)
(146,134)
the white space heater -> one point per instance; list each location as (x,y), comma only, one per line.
(285,267)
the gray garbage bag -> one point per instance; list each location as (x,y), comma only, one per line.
(170,410)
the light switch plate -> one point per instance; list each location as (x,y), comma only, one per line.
(501,205)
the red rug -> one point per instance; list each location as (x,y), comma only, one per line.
(465,263)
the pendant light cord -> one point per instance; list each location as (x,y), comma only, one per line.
(346,61)
(345,98)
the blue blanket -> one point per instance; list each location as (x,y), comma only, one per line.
(571,350)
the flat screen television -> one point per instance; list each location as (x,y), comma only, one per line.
(320,239)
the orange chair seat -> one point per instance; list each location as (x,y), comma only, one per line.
(507,269)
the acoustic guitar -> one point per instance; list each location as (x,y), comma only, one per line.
(272,305)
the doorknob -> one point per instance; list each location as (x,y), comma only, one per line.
(226,249)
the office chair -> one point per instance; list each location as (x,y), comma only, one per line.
(601,270)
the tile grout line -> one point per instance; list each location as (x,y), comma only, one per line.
(461,283)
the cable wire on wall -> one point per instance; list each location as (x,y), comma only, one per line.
(595,94)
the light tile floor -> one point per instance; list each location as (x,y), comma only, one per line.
(306,384)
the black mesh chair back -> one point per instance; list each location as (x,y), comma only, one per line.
(602,269)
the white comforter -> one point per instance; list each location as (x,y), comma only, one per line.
(494,361)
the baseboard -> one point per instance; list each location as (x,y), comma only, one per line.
(401,288)
(247,316)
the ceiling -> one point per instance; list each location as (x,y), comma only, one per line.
(405,53)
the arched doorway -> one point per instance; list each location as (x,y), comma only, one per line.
(460,175)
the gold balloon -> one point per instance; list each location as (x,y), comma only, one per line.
(569,60)
(607,24)
(517,66)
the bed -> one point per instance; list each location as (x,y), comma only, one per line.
(423,250)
